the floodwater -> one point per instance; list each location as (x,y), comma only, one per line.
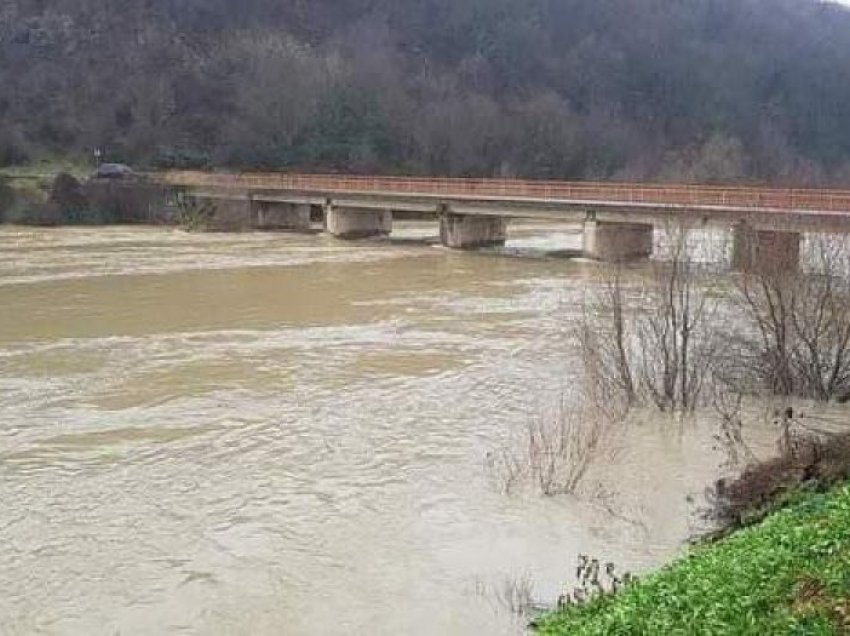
(285,434)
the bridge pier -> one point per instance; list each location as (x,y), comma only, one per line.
(273,215)
(463,231)
(615,242)
(765,250)
(353,223)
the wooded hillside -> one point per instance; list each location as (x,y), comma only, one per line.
(688,90)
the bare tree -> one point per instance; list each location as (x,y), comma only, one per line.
(662,350)
(677,343)
(821,322)
(605,342)
(796,336)
(728,404)
(767,299)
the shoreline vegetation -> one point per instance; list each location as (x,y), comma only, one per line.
(680,339)
(63,193)
(787,574)
(775,554)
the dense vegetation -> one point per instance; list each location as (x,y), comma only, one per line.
(696,90)
(788,575)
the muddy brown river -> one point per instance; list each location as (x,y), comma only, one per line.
(285,434)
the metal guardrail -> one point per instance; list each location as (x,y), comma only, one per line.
(732,197)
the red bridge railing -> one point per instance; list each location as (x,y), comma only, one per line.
(833,201)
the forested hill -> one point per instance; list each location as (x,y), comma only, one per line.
(689,90)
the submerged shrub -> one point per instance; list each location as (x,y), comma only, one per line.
(557,450)
(193,214)
(68,196)
(816,460)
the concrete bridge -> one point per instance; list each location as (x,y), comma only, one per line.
(618,218)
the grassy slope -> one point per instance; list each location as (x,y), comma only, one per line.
(790,574)
(28,186)
(47,169)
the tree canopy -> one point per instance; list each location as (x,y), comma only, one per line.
(687,90)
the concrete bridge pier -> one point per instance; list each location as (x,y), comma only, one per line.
(353,223)
(463,231)
(274,215)
(617,242)
(765,250)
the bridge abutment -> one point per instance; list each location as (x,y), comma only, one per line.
(353,223)
(273,215)
(615,242)
(765,250)
(462,231)
(231,215)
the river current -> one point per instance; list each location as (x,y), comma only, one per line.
(285,434)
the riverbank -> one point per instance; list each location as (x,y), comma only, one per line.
(789,574)
(46,195)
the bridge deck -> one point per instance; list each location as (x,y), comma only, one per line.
(835,203)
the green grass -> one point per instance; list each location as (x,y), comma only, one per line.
(27,187)
(790,574)
(47,169)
